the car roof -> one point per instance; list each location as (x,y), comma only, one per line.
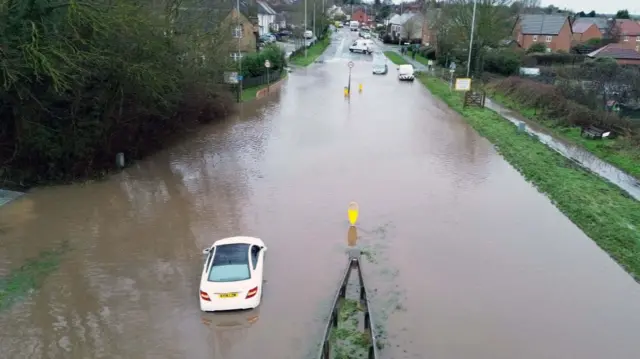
(239,239)
(406,66)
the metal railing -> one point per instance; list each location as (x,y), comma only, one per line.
(332,323)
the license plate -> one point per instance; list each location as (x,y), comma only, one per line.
(228,295)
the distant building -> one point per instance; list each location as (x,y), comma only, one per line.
(552,30)
(623,55)
(585,31)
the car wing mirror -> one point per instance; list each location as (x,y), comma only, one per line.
(206,251)
(264,248)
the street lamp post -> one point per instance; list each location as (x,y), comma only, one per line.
(267,64)
(350,64)
(473,26)
(239,35)
(305,28)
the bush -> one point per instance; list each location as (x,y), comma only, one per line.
(536,48)
(84,82)
(504,62)
(253,64)
(550,59)
(427,52)
(388,39)
(550,101)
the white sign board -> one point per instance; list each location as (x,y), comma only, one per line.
(463,84)
(231,77)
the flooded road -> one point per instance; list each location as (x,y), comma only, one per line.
(465,258)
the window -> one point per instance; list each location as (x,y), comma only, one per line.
(638,38)
(548,39)
(237,32)
(626,38)
(230,263)
(535,38)
(236,56)
(255,251)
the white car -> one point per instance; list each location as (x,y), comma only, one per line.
(362,46)
(405,73)
(232,274)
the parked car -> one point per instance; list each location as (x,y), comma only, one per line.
(283,34)
(405,72)
(308,34)
(232,275)
(267,38)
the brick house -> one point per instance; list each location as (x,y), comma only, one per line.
(244,29)
(584,31)
(429,31)
(552,30)
(629,32)
(622,54)
(360,16)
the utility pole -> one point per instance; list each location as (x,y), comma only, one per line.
(400,34)
(239,33)
(315,30)
(473,26)
(305,28)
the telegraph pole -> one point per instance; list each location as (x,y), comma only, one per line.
(239,33)
(473,26)
(305,28)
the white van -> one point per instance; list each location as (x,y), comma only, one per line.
(354,25)
(405,72)
(362,46)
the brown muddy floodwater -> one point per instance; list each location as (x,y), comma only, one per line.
(467,260)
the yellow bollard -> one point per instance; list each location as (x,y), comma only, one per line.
(360,88)
(346,92)
(352,212)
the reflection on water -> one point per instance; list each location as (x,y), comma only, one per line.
(352,236)
(229,329)
(584,158)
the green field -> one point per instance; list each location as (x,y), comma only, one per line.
(313,53)
(604,212)
(395,57)
(619,152)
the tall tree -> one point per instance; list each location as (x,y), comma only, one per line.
(622,14)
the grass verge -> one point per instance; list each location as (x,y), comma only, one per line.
(22,281)
(313,53)
(619,152)
(250,93)
(395,58)
(347,340)
(604,212)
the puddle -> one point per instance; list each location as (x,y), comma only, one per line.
(586,159)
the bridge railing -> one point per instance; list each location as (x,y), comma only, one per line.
(332,323)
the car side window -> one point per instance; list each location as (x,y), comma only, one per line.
(209,257)
(255,250)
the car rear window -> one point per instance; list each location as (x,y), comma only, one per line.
(230,263)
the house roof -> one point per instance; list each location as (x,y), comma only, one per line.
(264,8)
(628,27)
(601,22)
(581,27)
(402,19)
(542,24)
(616,51)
